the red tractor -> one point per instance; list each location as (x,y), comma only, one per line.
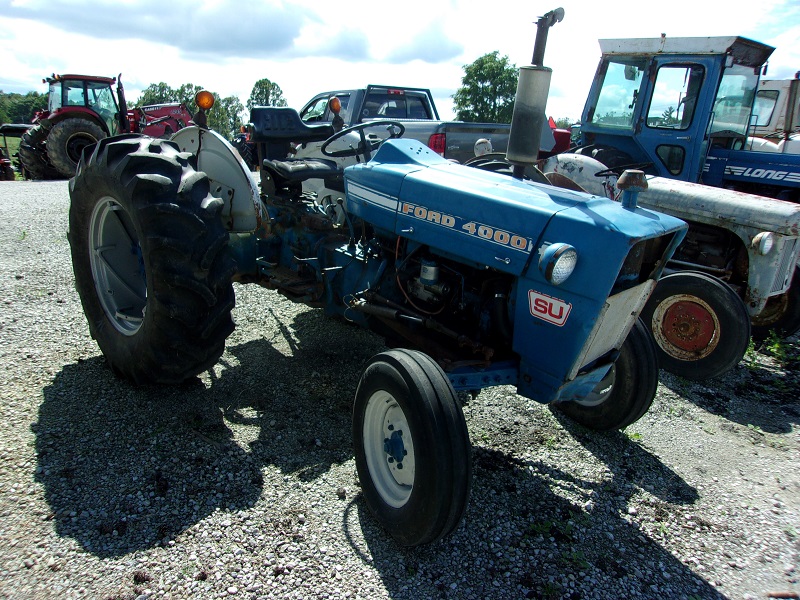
(83,109)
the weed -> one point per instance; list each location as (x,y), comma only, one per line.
(576,558)
(23,235)
(634,436)
(551,590)
(779,349)
(542,528)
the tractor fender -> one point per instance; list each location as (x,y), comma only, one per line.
(229,176)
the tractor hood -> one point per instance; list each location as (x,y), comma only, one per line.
(491,219)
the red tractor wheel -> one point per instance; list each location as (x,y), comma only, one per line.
(67,140)
(701,327)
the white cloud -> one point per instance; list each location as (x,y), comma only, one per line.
(227,46)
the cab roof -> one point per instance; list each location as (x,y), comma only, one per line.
(743,50)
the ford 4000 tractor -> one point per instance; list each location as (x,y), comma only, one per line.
(474,278)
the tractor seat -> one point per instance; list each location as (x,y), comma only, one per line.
(286,172)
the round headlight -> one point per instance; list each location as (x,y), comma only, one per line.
(557,262)
(764,242)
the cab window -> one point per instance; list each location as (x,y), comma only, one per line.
(675,96)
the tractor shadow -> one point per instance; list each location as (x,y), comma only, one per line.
(570,532)
(757,393)
(127,468)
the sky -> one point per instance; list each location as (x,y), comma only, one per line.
(306,48)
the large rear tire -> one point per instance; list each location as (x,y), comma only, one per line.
(33,155)
(625,394)
(67,140)
(701,327)
(150,257)
(412,447)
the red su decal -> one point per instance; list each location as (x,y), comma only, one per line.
(548,309)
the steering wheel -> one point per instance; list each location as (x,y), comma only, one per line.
(619,169)
(365,146)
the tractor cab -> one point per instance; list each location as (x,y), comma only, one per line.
(667,101)
(83,92)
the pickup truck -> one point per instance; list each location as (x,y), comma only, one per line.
(414,107)
(454,140)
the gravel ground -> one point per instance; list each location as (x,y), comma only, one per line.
(242,484)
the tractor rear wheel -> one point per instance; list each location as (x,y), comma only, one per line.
(701,326)
(412,448)
(625,394)
(33,156)
(151,261)
(67,140)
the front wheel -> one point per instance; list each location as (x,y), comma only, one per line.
(150,257)
(701,327)
(625,394)
(412,447)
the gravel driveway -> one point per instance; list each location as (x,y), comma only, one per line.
(242,484)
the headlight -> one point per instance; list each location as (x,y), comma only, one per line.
(557,262)
(764,242)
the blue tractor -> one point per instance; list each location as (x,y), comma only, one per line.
(475,279)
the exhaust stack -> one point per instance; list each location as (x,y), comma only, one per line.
(533,88)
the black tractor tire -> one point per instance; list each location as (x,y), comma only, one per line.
(781,315)
(245,150)
(412,448)
(8,173)
(625,394)
(700,325)
(151,259)
(32,155)
(66,142)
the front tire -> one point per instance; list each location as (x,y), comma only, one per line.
(33,156)
(412,447)
(625,394)
(701,327)
(150,257)
(67,140)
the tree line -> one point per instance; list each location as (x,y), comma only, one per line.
(486,95)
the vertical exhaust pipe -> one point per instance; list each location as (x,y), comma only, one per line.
(533,87)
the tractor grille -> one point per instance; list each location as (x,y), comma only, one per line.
(785,270)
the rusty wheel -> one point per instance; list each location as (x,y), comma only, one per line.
(700,325)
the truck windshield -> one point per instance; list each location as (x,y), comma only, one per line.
(734,101)
(616,98)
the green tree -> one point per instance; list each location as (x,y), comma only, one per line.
(157,93)
(186,94)
(487,90)
(265,93)
(225,117)
(19,108)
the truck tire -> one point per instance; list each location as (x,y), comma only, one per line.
(150,257)
(33,155)
(700,325)
(625,394)
(781,315)
(67,140)
(412,448)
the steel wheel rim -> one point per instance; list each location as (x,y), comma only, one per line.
(117,266)
(601,391)
(386,436)
(686,327)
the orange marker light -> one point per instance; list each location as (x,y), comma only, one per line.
(204,99)
(335,105)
